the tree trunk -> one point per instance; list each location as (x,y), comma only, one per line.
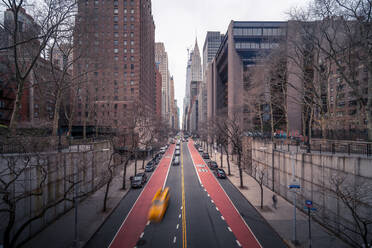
(9,227)
(261,188)
(369,104)
(135,162)
(240,170)
(16,108)
(56,113)
(125,172)
(106,193)
(221,157)
(228,161)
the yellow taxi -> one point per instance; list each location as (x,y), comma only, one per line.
(159,205)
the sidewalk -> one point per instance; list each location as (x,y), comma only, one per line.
(281,219)
(60,234)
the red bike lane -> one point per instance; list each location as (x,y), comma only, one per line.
(135,222)
(227,209)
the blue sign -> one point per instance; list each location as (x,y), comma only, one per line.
(308,203)
(294,186)
(307,208)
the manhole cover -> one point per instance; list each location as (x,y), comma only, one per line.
(141,242)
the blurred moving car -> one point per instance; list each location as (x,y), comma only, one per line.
(212,165)
(220,173)
(159,205)
(138,180)
(205,155)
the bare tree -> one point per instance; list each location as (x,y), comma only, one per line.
(353,197)
(27,43)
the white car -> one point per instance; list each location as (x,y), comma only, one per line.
(200,149)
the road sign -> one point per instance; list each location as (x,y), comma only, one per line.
(308,203)
(307,208)
(294,186)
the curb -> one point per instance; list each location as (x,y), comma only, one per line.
(284,240)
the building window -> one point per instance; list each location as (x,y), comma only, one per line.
(116,50)
(116,3)
(116,11)
(116,34)
(116,18)
(125,43)
(131,34)
(132,90)
(125,11)
(125,50)
(116,42)
(132,42)
(132,50)
(132,11)
(125,34)
(132,19)
(132,66)
(132,26)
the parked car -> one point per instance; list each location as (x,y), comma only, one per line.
(200,149)
(212,165)
(220,173)
(177,147)
(138,180)
(177,153)
(205,155)
(176,160)
(150,166)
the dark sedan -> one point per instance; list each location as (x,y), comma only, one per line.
(138,180)
(220,173)
(205,155)
(212,165)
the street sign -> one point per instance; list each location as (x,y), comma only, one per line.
(308,203)
(294,186)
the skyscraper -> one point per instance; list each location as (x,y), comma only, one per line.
(193,79)
(115,42)
(161,58)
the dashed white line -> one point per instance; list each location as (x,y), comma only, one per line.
(142,235)
(217,209)
(179,216)
(237,241)
(174,239)
(178,225)
(222,217)
(229,229)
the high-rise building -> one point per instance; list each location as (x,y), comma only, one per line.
(193,80)
(243,43)
(161,58)
(158,91)
(211,44)
(115,40)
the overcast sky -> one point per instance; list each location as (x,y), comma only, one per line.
(178,22)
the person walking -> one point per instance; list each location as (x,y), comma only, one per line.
(275,201)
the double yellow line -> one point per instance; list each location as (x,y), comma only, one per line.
(184,240)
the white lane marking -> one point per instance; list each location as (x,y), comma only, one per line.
(217,209)
(181,207)
(179,216)
(222,217)
(237,241)
(130,211)
(142,235)
(174,239)
(209,195)
(229,229)
(178,225)
(233,206)
(170,163)
(148,223)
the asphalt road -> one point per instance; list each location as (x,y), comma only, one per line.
(205,227)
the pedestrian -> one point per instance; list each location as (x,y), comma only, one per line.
(275,200)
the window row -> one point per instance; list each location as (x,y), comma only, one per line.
(116,50)
(116,18)
(116,11)
(255,45)
(259,31)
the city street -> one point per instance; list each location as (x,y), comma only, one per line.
(200,213)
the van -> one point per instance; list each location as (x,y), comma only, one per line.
(176,160)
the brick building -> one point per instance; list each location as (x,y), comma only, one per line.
(115,40)
(158,91)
